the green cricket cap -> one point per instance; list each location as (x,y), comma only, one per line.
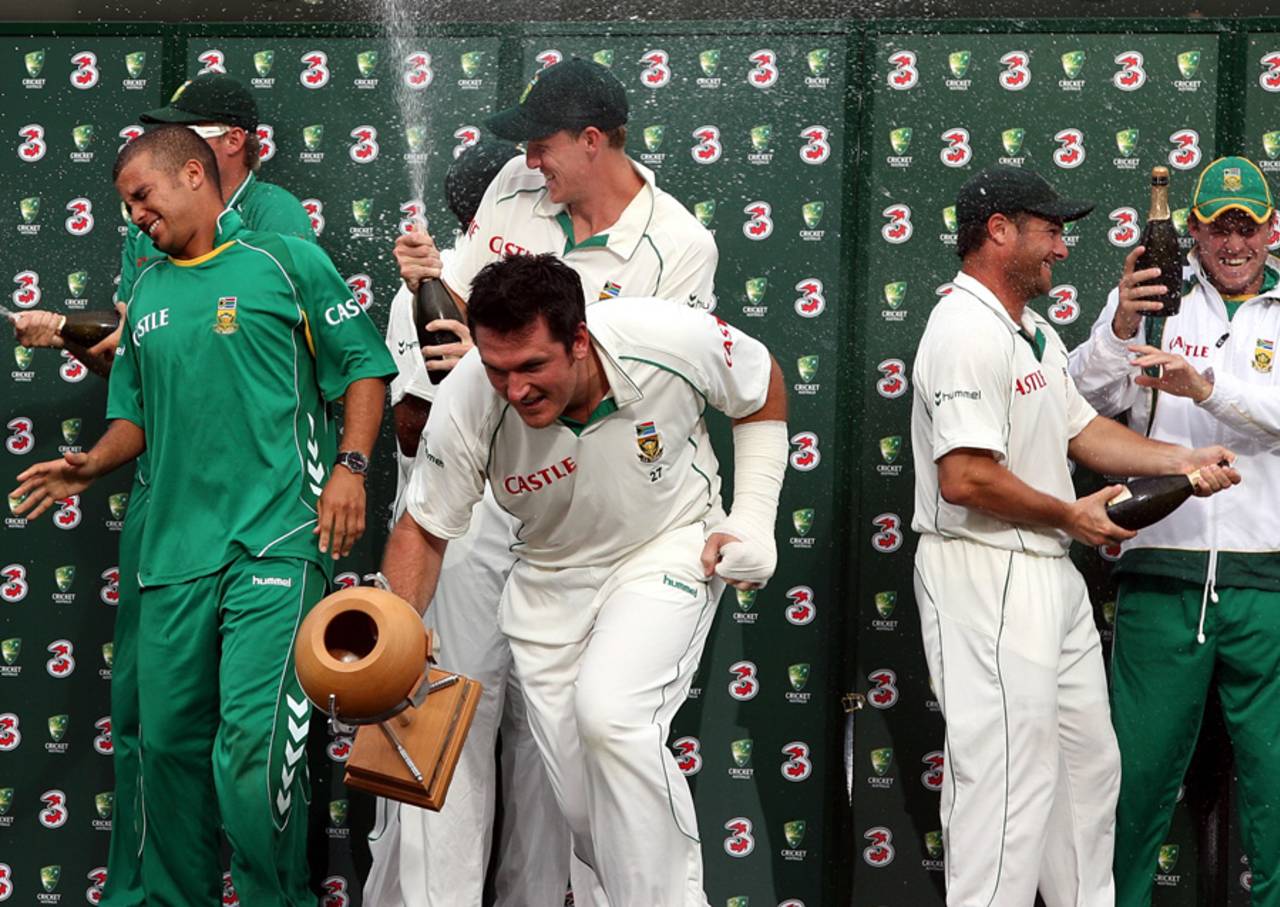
(572,94)
(1232,183)
(210,98)
(1012,190)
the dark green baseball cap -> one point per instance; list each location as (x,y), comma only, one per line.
(1012,190)
(571,94)
(210,98)
(1232,183)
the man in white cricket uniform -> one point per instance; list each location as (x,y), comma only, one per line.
(590,431)
(1032,767)
(576,195)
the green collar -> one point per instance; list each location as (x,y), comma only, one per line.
(1037,342)
(566,224)
(1269,280)
(604,408)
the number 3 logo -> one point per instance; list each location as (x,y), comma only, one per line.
(899,229)
(817,149)
(760,225)
(1186,152)
(657,73)
(904,75)
(958,151)
(33,146)
(316,73)
(1131,76)
(85,75)
(23,438)
(798,766)
(1018,74)
(708,149)
(1071,153)
(805,457)
(765,73)
(880,851)
(889,538)
(688,752)
(740,841)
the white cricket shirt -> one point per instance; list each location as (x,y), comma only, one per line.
(656,247)
(641,465)
(985,382)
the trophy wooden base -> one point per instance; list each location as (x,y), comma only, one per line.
(432,734)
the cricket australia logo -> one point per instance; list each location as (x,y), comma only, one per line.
(649,440)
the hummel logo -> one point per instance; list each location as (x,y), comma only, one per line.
(285,582)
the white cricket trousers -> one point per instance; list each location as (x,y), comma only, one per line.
(1032,770)
(439,859)
(605,656)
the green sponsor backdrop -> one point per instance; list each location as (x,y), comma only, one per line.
(64,102)
(824,161)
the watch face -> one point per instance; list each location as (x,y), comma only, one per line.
(354,461)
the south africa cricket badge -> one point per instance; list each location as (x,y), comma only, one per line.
(649,440)
(225,320)
(1263,355)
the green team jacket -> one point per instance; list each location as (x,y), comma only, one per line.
(228,362)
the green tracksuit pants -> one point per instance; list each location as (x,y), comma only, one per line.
(225,724)
(124,866)
(1160,679)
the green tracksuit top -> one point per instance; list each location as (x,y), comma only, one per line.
(227,363)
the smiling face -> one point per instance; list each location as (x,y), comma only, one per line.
(1038,246)
(565,162)
(539,377)
(163,204)
(1233,251)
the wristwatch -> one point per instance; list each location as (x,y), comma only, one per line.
(354,461)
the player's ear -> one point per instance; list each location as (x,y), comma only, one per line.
(581,342)
(193,174)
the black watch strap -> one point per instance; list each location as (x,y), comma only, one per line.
(354,461)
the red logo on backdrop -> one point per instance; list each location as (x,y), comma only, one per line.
(885,692)
(801,611)
(879,852)
(10,733)
(688,752)
(932,776)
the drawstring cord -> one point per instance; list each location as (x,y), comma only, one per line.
(1210,592)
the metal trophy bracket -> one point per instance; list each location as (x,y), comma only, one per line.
(364,658)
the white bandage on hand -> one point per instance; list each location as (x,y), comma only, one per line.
(759,464)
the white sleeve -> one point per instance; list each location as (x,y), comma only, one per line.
(1100,365)
(691,278)
(402,342)
(1253,410)
(966,387)
(448,473)
(731,368)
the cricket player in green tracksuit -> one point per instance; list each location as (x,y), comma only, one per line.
(234,346)
(264,207)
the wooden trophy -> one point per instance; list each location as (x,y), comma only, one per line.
(363,657)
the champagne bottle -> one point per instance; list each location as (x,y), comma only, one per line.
(87,328)
(1150,499)
(1161,241)
(434,302)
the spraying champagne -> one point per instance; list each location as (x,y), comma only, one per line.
(434,302)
